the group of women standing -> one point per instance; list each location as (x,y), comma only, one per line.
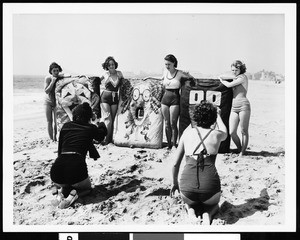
(112,78)
(199,184)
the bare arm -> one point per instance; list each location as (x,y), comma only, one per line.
(64,75)
(49,83)
(237,81)
(175,170)
(221,128)
(186,74)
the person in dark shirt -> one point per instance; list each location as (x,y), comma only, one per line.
(69,171)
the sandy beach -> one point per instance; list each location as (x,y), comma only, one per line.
(132,185)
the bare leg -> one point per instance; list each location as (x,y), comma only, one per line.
(49,119)
(233,125)
(211,208)
(105,109)
(192,215)
(244,124)
(174,114)
(55,125)
(114,109)
(190,210)
(166,114)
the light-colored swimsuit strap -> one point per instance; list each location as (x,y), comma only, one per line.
(201,140)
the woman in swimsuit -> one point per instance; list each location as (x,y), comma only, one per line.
(200,183)
(171,100)
(50,101)
(241,110)
(109,94)
(69,171)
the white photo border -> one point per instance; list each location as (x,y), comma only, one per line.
(289,10)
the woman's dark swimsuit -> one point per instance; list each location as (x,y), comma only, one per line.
(200,180)
(110,94)
(75,140)
(171,97)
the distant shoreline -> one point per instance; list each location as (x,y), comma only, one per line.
(36,82)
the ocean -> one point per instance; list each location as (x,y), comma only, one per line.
(28,82)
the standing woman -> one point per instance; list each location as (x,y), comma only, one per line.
(109,94)
(241,110)
(50,102)
(171,99)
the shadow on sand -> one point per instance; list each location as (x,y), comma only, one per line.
(232,213)
(266,153)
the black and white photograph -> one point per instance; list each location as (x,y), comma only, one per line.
(179,117)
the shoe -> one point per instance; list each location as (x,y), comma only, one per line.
(58,197)
(65,203)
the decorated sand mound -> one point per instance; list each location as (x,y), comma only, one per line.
(139,121)
(72,91)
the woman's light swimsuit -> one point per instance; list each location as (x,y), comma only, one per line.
(110,93)
(171,95)
(199,179)
(50,97)
(241,103)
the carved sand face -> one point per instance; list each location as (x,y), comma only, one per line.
(73,94)
(140,104)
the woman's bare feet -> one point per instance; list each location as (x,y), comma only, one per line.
(206,219)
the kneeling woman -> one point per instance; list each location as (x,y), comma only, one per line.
(200,183)
(69,170)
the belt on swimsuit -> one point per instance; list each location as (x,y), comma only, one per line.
(71,153)
(172,90)
(109,91)
(114,93)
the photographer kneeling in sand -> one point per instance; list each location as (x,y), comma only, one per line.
(199,185)
(69,170)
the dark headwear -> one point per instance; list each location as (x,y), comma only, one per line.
(82,113)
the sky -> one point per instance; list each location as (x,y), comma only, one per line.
(202,42)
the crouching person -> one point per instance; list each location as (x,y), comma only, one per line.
(200,185)
(69,171)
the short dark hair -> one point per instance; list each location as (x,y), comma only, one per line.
(54,65)
(172,58)
(82,113)
(205,114)
(239,65)
(105,64)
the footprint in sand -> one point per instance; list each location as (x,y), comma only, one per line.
(32,185)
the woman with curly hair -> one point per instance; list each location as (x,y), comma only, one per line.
(241,110)
(199,185)
(109,94)
(171,100)
(50,101)
(69,171)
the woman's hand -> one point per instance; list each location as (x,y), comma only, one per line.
(173,189)
(53,79)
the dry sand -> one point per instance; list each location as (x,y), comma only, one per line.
(131,185)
